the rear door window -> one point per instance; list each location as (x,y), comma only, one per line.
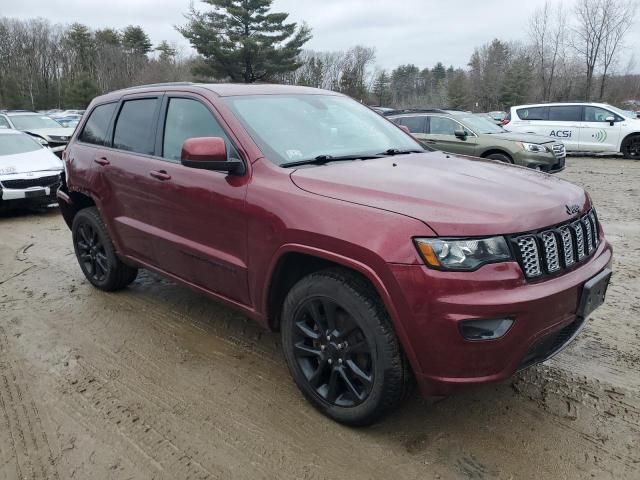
(96,129)
(414,124)
(533,113)
(136,126)
(565,113)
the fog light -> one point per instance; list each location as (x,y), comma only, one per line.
(485,329)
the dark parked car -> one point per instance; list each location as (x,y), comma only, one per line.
(379,262)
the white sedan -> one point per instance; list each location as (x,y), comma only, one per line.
(29,173)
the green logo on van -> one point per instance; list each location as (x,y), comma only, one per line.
(600,136)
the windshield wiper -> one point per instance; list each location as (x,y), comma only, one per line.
(397,151)
(322,159)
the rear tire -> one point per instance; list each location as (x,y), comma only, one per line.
(341,349)
(96,255)
(501,157)
(631,148)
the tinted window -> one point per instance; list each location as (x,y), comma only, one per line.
(596,114)
(534,113)
(189,119)
(95,130)
(14,144)
(414,124)
(442,126)
(567,113)
(135,126)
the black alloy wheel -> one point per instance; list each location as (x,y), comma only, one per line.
(333,352)
(91,253)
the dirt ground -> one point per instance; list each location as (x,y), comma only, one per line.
(158,382)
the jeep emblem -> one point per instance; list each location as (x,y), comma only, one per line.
(572,209)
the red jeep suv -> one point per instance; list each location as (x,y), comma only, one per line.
(378,261)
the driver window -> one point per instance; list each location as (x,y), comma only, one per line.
(596,114)
(442,126)
(187,118)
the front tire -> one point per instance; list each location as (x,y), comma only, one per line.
(96,255)
(341,349)
(631,148)
(500,157)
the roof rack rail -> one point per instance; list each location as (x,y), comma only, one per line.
(414,110)
(162,84)
(19,110)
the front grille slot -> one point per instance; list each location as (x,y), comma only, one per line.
(31,182)
(552,250)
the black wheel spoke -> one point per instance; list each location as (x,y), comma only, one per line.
(307,331)
(330,314)
(357,371)
(332,387)
(101,260)
(302,350)
(349,383)
(316,316)
(83,234)
(318,374)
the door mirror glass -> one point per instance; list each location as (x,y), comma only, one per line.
(460,133)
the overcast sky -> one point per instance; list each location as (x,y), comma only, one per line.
(402,31)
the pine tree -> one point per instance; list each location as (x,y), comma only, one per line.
(241,40)
(136,41)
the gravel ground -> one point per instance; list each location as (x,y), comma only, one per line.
(158,382)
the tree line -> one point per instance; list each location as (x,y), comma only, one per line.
(572,52)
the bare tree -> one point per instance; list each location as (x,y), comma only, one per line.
(547,31)
(618,23)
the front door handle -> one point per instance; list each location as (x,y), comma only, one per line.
(160,175)
(102,161)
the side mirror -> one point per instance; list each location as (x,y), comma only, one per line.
(460,133)
(209,153)
(611,120)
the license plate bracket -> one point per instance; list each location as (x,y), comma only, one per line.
(35,193)
(594,293)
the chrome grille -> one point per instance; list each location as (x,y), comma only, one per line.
(559,150)
(530,256)
(551,250)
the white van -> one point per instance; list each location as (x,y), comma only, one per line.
(582,127)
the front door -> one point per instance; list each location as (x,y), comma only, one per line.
(441,136)
(596,133)
(199,215)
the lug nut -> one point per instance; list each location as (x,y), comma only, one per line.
(330,361)
(340,361)
(322,347)
(328,338)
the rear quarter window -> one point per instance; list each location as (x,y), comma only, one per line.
(533,113)
(97,126)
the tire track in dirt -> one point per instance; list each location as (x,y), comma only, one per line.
(24,432)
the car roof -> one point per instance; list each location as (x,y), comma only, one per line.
(10,131)
(561,104)
(220,89)
(424,111)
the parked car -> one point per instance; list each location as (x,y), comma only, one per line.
(476,135)
(70,121)
(378,261)
(29,173)
(43,128)
(497,117)
(582,127)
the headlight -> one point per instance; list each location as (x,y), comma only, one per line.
(534,147)
(454,254)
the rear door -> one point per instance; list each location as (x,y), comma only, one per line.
(199,218)
(565,122)
(441,135)
(123,171)
(596,133)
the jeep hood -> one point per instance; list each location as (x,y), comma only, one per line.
(522,137)
(454,196)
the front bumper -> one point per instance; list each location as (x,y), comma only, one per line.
(431,304)
(18,190)
(546,162)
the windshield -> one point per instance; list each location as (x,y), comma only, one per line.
(481,124)
(32,122)
(14,144)
(292,128)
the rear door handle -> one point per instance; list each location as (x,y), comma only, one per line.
(101,161)
(160,175)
